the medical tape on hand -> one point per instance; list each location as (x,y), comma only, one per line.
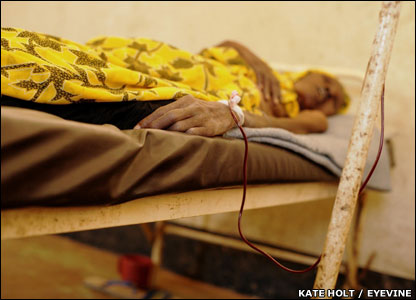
(233,104)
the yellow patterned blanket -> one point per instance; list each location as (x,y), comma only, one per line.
(47,69)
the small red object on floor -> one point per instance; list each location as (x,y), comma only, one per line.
(136,269)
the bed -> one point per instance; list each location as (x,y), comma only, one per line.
(61,176)
(97,172)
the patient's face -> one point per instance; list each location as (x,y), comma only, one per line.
(321,92)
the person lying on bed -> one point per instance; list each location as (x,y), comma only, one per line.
(141,83)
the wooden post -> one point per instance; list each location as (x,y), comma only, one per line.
(156,254)
(352,172)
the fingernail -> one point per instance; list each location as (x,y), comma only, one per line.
(137,126)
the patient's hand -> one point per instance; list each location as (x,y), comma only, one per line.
(192,116)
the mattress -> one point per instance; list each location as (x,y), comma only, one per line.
(49,161)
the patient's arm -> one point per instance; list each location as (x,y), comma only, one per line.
(199,117)
(307,121)
(266,81)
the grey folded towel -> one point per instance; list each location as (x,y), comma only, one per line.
(327,149)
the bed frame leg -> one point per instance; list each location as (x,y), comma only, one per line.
(352,172)
(157,250)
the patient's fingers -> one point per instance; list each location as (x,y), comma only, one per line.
(180,103)
(199,131)
(156,114)
(267,90)
(184,125)
(276,93)
(273,93)
(260,80)
(169,118)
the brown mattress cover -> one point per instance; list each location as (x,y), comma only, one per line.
(46,160)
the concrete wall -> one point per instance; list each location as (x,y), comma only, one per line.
(313,33)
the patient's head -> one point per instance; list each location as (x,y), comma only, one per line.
(321,92)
